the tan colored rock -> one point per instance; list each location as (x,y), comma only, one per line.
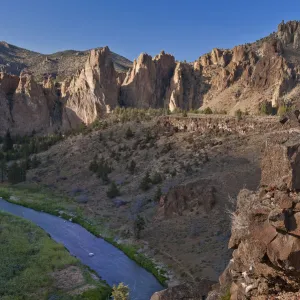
(283,252)
(8,86)
(289,32)
(30,109)
(146,84)
(93,92)
(184,91)
(293,224)
(277,219)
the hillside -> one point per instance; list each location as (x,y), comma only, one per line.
(62,64)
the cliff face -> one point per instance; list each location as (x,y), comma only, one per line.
(146,84)
(224,80)
(266,229)
(27,105)
(93,92)
(246,76)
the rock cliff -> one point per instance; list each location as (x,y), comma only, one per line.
(93,92)
(266,230)
(267,71)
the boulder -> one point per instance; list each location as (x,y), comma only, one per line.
(194,195)
(191,291)
(281,164)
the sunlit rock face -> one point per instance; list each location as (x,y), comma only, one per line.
(92,92)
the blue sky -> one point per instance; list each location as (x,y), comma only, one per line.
(186,28)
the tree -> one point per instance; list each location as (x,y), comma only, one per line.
(238,113)
(16,173)
(131,167)
(3,169)
(156,178)
(120,292)
(157,194)
(138,225)
(94,165)
(207,111)
(113,191)
(7,142)
(145,183)
(129,133)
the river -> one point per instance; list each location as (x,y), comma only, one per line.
(110,263)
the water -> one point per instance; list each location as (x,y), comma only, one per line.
(109,262)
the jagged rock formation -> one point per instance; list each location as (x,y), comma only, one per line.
(224,80)
(146,84)
(161,83)
(93,92)
(266,230)
(28,106)
(246,76)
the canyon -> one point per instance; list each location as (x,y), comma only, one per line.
(213,179)
(64,90)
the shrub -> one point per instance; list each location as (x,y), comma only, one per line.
(93,165)
(33,162)
(103,170)
(146,182)
(138,225)
(283,109)
(120,292)
(238,113)
(207,111)
(266,108)
(157,194)
(184,114)
(131,167)
(156,178)
(113,191)
(129,133)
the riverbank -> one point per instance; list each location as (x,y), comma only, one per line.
(41,199)
(33,266)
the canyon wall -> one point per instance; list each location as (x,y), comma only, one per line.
(224,80)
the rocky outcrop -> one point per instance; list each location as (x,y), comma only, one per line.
(218,124)
(247,75)
(281,165)
(267,71)
(266,230)
(146,84)
(185,88)
(30,108)
(93,92)
(188,197)
(8,86)
(184,291)
(289,33)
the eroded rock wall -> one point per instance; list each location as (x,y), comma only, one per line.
(266,229)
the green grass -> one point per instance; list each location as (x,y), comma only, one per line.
(226,295)
(29,257)
(41,199)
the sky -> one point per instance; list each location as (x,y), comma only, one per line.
(187,29)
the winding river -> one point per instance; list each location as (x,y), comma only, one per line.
(109,262)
